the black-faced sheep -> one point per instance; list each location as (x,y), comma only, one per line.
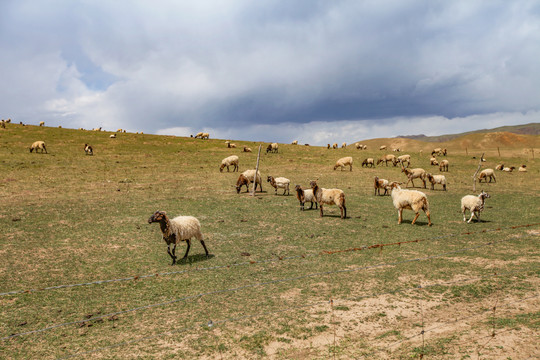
(485,174)
(272,148)
(38,145)
(368,162)
(180,228)
(409,199)
(475,204)
(279,182)
(412,174)
(344,145)
(523,168)
(329,197)
(499,167)
(229,161)
(433,161)
(198,135)
(42,123)
(205,136)
(379,184)
(436,179)
(88,149)
(348,160)
(509,169)
(246,149)
(246,178)
(304,196)
(334,146)
(295,142)
(382,147)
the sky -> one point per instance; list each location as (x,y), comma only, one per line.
(314,71)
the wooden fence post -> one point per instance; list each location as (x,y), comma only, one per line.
(256,172)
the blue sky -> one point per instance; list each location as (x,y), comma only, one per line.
(316,71)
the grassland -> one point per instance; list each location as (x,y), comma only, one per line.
(280,283)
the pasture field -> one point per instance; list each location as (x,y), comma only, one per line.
(280,283)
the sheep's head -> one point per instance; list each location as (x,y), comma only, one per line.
(158,216)
(313,184)
(270,178)
(297,187)
(484,195)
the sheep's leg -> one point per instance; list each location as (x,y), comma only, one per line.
(204,246)
(400,211)
(464,218)
(472,214)
(351,168)
(416,217)
(343,212)
(321,209)
(428,217)
(172,255)
(188,241)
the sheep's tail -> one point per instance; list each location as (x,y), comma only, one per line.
(425,204)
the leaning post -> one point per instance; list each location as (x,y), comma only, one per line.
(474,176)
(256,172)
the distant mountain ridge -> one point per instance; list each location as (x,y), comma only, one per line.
(525,129)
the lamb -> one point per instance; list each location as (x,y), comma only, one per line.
(38,145)
(509,169)
(272,148)
(88,149)
(348,160)
(380,184)
(387,158)
(412,174)
(484,174)
(295,142)
(443,166)
(246,149)
(404,159)
(42,123)
(279,182)
(409,199)
(304,196)
(436,179)
(475,204)
(180,228)
(229,161)
(368,162)
(246,178)
(433,161)
(329,197)
(523,168)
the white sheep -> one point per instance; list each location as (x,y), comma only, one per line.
(499,167)
(180,228)
(404,159)
(246,178)
(443,165)
(279,182)
(329,197)
(295,142)
(436,179)
(509,169)
(247,149)
(334,146)
(304,196)
(409,199)
(433,161)
(112,136)
(229,161)
(198,135)
(38,145)
(205,136)
(412,174)
(485,174)
(523,168)
(42,123)
(118,130)
(344,145)
(348,160)
(387,158)
(368,162)
(97,129)
(272,148)
(475,204)
(88,149)
(382,147)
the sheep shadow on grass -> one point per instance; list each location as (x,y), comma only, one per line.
(195,258)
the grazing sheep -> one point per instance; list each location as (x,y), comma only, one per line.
(198,135)
(409,199)
(304,196)
(380,184)
(412,174)
(436,179)
(348,160)
(205,136)
(438,151)
(180,228)
(88,149)
(118,130)
(328,146)
(509,169)
(97,129)
(229,161)
(295,142)
(279,182)
(396,150)
(499,167)
(382,147)
(387,158)
(113,136)
(334,146)
(8,121)
(433,161)
(246,178)
(329,197)
(3,124)
(443,166)
(42,123)
(404,159)
(523,168)
(344,145)
(487,173)
(38,145)
(475,204)
(246,149)
(272,148)
(368,162)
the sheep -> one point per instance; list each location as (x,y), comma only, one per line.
(329,197)
(382,147)
(119,130)
(279,182)
(509,169)
(436,179)
(523,168)
(387,158)
(396,150)
(229,161)
(348,160)
(88,149)
(380,184)
(304,196)
(412,174)
(246,178)
(438,151)
(328,146)
(409,199)
(38,145)
(484,174)
(180,228)
(344,145)
(364,147)
(334,146)
(368,162)
(272,148)
(443,165)
(360,146)
(475,204)
(198,135)
(295,142)
(112,136)
(433,161)
(246,149)
(205,136)
(404,159)
(499,167)
(3,124)
(8,121)
(42,123)
(97,129)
